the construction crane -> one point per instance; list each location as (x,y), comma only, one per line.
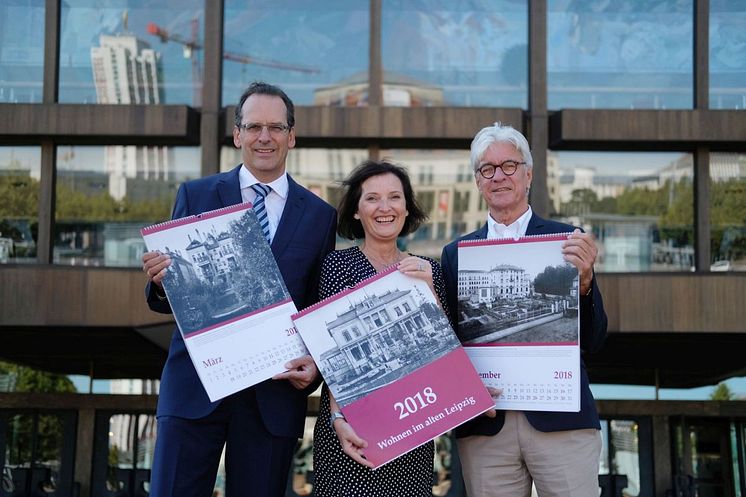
(192,44)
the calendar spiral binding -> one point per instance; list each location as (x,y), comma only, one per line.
(346,291)
(195,217)
(546,237)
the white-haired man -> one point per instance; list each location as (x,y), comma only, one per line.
(557,451)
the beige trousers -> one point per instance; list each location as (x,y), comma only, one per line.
(560,464)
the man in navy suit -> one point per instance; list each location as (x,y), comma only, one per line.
(259,425)
(559,452)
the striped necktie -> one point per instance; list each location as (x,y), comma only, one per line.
(260,209)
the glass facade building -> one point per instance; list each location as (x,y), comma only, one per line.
(635,111)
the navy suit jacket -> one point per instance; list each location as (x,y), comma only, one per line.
(592,334)
(305,235)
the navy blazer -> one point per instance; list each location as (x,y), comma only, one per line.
(593,324)
(305,235)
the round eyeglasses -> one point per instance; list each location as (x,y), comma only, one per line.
(508,167)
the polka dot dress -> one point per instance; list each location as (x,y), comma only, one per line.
(335,474)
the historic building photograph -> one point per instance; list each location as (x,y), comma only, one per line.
(635,112)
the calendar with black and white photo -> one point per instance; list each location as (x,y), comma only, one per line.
(390,357)
(518,319)
(228,298)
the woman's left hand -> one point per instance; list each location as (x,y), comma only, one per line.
(417,268)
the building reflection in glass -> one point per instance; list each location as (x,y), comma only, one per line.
(130,451)
(22,54)
(620,454)
(131,52)
(639,206)
(727,48)
(19,189)
(472,53)
(303,47)
(33,453)
(106,194)
(625,54)
(442,180)
(728,211)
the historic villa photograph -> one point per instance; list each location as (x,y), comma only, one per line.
(517,293)
(213,276)
(375,336)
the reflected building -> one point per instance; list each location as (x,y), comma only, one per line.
(443,182)
(398,91)
(127,71)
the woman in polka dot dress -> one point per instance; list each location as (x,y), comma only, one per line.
(378,206)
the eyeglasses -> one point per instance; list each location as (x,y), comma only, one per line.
(255,129)
(509,167)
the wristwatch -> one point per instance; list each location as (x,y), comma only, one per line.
(335,416)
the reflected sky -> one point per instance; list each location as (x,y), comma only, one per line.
(474,52)
(301,47)
(21,51)
(620,54)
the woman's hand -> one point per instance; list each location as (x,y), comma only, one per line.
(421,269)
(352,445)
(417,268)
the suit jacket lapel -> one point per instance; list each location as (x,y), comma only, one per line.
(480,234)
(536,225)
(229,188)
(290,218)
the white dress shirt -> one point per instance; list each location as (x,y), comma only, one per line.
(516,229)
(274,203)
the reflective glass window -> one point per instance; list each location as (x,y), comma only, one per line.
(620,458)
(316,51)
(106,194)
(130,452)
(33,454)
(19,189)
(727,49)
(21,51)
(728,211)
(131,52)
(472,53)
(625,54)
(639,206)
(442,180)
(625,453)
(319,169)
(444,185)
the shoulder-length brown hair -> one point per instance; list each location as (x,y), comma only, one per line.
(352,228)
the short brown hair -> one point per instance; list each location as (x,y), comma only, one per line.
(262,88)
(352,228)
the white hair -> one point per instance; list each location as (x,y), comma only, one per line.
(499,133)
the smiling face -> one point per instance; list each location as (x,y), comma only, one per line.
(264,154)
(382,208)
(506,196)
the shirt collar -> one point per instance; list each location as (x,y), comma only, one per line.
(280,186)
(516,229)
